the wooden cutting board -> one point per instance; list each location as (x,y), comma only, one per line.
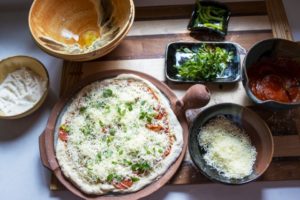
(144,50)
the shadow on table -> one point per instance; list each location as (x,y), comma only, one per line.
(44,179)
(15,128)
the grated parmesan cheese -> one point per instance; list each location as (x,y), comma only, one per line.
(228,148)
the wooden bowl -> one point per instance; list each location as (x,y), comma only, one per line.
(196,96)
(58,24)
(12,64)
(257,130)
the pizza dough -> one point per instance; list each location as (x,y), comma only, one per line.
(118,135)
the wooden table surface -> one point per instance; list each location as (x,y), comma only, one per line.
(144,50)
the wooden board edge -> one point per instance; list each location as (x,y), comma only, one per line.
(185,11)
(278,19)
(71,70)
(287,166)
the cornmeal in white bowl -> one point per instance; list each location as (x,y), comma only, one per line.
(20,91)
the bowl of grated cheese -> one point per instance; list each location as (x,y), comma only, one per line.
(230,144)
(24,83)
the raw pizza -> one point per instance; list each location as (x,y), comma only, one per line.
(118,135)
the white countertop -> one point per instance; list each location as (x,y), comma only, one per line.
(22,175)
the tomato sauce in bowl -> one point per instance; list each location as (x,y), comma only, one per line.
(276,79)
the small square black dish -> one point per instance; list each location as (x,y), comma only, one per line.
(175,58)
(209,16)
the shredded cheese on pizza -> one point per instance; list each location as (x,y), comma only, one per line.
(117,135)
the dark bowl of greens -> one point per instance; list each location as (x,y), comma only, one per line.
(216,62)
(210,16)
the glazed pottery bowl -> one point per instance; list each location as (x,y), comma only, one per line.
(80,30)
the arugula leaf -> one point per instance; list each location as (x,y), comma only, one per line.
(112,131)
(127,162)
(121,152)
(98,104)
(101,123)
(109,139)
(107,93)
(114,162)
(82,109)
(135,179)
(87,129)
(98,157)
(206,64)
(106,109)
(112,177)
(146,115)
(129,105)
(121,112)
(140,167)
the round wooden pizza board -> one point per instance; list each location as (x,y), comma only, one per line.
(197,96)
